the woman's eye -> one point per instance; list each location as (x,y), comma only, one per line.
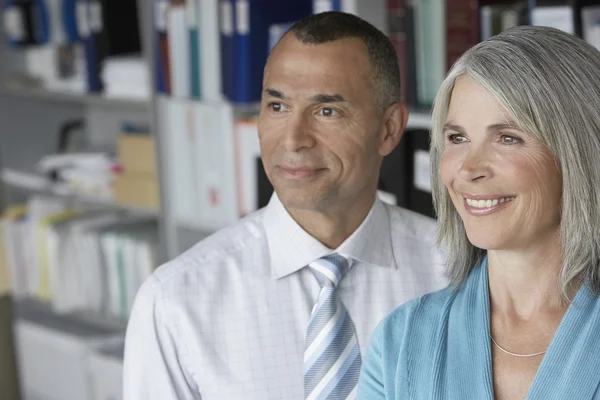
(328,112)
(456,138)
(506,139)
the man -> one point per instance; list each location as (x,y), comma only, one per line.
(282,304)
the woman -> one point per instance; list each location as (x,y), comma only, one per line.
(516,141)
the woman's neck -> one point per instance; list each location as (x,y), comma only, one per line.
(526,282)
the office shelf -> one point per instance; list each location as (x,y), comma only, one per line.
(32,92)
(32,183)
(42,313)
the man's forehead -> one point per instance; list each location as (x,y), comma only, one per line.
(293,50)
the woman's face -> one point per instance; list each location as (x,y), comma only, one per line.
(504,183)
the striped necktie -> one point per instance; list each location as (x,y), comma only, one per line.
(332,355)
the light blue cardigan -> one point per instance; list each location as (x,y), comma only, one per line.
(438,347)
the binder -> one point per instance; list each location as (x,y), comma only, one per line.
(177,116)
(161,44)
(41,21)
(227,38)
(210,51)
(179,50)
(430,47)
(372,11)
(91,31)
(214,157)
(56,22)
(320,6)
(69,17)
(253,18)
(18,19)
(193,15)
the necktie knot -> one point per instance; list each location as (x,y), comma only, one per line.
(330,270)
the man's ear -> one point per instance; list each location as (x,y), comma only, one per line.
(395,118)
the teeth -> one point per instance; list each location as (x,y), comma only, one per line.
(487,203)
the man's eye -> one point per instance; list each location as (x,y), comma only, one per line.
(277,107)
(328,112)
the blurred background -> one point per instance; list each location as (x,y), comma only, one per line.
(128,133)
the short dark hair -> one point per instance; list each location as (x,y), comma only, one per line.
(334,25)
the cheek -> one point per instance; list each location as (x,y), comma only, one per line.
(268,136)
(352,151)
(532,172)
(449,165)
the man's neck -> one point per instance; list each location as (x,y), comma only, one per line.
(334,225)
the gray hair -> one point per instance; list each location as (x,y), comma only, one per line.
(549,82)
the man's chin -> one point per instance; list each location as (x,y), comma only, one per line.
(299,199)
(297,203)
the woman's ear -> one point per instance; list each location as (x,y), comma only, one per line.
(395,118)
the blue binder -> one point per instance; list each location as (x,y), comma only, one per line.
(69,13)
(228,67)
(41,22)
(332,5)
(160,36)
(252,21)
(194,34)
(93,55)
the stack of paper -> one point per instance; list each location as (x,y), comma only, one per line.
(126,77)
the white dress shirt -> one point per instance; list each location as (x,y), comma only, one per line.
(227,319)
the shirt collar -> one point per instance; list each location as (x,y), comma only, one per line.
(291,248)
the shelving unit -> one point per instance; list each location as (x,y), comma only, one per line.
(31,117)
(28,92)
(32,184)
(38,312)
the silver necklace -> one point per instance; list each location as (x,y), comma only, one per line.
(515,354)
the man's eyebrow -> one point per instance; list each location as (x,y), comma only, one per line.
(275,93)
(327,98)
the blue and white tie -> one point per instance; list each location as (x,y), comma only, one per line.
(332,355)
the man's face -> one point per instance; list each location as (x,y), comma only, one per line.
(320,125)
